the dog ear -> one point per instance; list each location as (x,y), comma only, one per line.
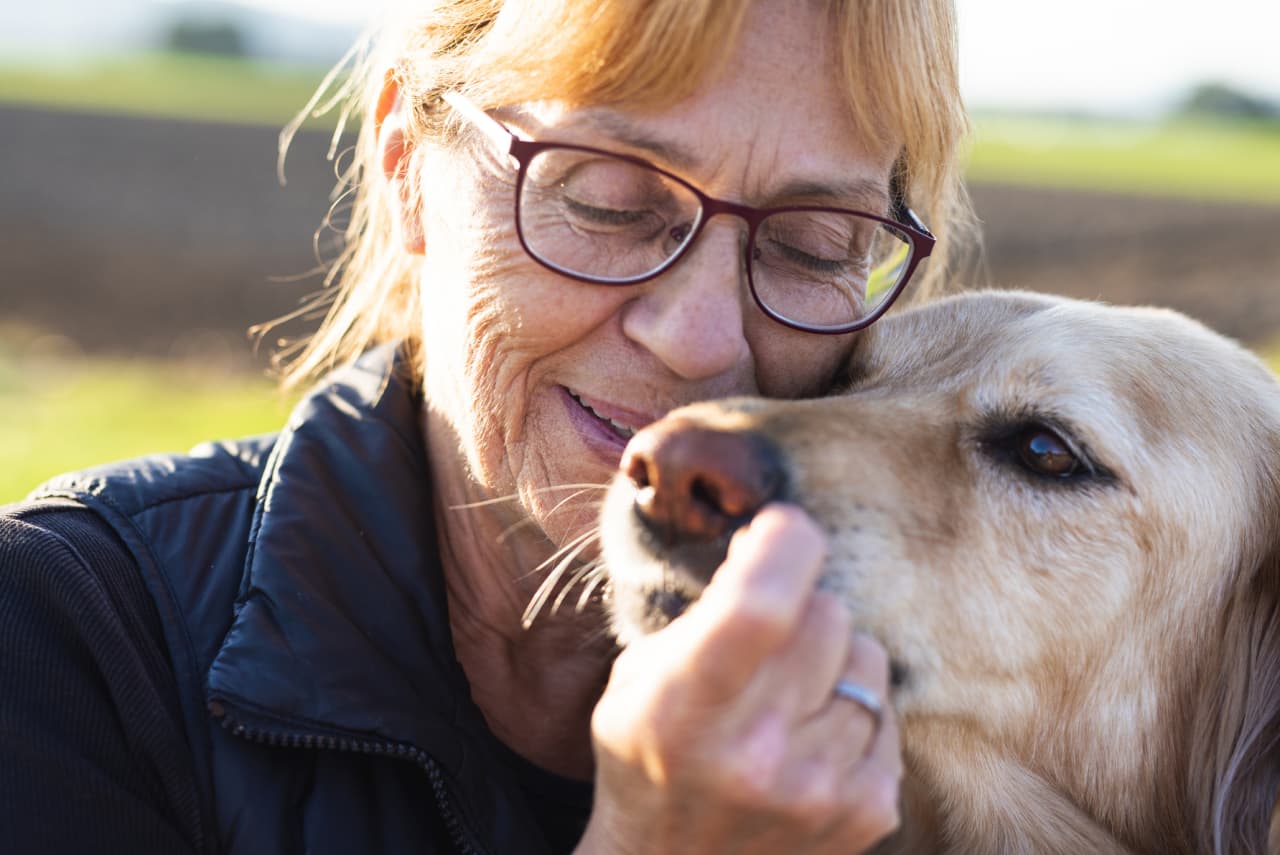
(1237,732)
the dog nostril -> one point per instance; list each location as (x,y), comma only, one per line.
(698,484)
(725,497)
(635,466)
(706,494)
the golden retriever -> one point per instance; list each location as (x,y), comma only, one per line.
(1063,522)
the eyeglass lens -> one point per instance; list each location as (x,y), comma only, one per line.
(611,220)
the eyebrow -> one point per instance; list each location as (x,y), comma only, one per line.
(862,193)
(623,131)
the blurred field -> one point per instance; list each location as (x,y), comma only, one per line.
(147,245)
(62,414)
(1196,160)
(1239,161)
(166,85)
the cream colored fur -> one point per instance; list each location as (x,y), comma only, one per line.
(1091,665)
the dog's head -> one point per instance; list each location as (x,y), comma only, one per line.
(1061,519)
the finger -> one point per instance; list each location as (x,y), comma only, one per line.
(858,714)
(798,679)
(875,775)
(873,787)
(868,664)
(843,774)
(886,748)
(754,602)
(845,731)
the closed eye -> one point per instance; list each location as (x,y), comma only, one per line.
(794,256)
(606,216)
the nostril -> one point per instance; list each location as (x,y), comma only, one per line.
(636,468)
(706,494)
(699,484)
(721,495)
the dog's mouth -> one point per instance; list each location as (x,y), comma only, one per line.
(655,573)
(682,492)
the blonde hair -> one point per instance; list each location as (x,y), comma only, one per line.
(898,61)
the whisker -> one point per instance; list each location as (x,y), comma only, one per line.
(571,551)
(484,503)
(555,556)
(524,522)
(598,634)
(599,574)
(575,545)
(567,499)
(541,595)
(515,497)
(580,574)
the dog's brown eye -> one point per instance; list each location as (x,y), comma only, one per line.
(1044,452)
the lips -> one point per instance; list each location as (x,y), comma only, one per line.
(605,426)
(621,428)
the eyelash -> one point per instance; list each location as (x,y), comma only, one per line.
(1002,440)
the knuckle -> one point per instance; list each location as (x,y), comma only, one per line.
(743,786)
(734,643)
(823,808)
(642,713)
(756,619)
(875,802)
(871,658)
(829,616)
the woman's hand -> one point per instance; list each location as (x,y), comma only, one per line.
(721,733)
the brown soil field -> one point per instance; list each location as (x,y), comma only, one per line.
(162,237)
(1217,262)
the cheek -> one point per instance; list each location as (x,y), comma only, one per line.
(483,289)
(495,325)
(794,364)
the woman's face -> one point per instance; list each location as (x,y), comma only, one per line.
(544,377)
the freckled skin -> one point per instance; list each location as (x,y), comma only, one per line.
(502,333)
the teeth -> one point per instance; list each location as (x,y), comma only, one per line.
(622,429)
(625,431)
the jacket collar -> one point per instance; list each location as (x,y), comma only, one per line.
(341,621)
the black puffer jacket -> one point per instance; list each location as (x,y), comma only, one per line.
(246,650)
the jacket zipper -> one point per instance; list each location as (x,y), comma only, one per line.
(462,839)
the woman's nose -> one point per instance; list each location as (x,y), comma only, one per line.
(696,484)
(692,316)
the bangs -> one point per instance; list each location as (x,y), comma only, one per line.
(896,60)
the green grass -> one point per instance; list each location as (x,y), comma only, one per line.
(64,415)
(167,85)
(61,415)
(1226,161)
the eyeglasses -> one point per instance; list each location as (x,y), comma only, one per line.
(612,219)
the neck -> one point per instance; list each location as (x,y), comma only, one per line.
(535,685)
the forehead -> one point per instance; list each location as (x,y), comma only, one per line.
(771,114)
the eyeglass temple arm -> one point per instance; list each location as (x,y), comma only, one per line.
(901,212)
(486,124)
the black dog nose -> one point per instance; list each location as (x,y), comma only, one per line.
(696,483)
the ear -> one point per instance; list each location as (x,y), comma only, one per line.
(396,150)
(1237,732)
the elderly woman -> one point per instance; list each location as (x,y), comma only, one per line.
(569,218)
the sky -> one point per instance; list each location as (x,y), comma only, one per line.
(1114,54)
